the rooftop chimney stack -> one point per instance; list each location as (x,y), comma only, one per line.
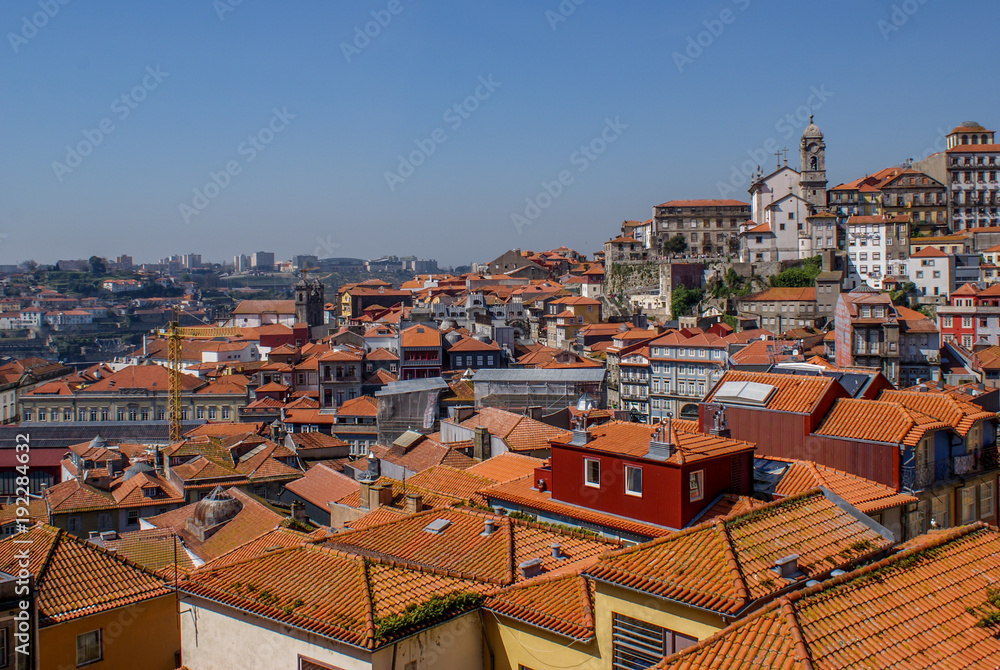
(489,525)
(556,550)
(787,567)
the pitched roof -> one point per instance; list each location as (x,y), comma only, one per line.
(957,413)
(926,607)
(868,496)
(461,546)
(793,393)
(726,565)
(360,406)
(321,485)
(506,467)
(560,604)
(877,421)
(520,433)
(73,578)
(420,336)
(632,439)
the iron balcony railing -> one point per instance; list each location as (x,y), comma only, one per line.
(921,475)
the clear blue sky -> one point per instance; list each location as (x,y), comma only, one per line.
(321,183)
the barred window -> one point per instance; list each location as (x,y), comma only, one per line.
(637,644)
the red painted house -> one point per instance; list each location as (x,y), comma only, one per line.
(664,475)
(972,316)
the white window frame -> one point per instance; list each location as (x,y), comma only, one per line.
(629,491)
(699,477)
(986,502)
(586,473)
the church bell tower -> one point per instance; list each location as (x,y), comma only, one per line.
(812,179)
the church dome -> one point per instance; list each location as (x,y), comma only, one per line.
(812,130)
(217,508)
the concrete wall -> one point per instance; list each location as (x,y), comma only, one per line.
(216,637)
(143,634)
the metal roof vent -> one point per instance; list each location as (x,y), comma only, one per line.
(437,526)
(556,550)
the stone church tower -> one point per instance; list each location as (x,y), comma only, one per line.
(812,179)
(309,302)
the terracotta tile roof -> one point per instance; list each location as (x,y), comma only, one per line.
(462,549)
(877,421)
(917,609)
(958,414)
(376,517)
(727,565)
(520,433)
(782,294)
(794,393)
(472,344)
(451,482)
(36,512)
(279,538)
(506,467)
(560,604)
(327,592)
(304,442)
(264,307)
(321,485)
(144,377)
(866,495)
(522,492)
(381,354)
(152,548)
(360,406)
(73,578)
(253,520)
(399,492)
(727,505)
(420,336)
(632,439)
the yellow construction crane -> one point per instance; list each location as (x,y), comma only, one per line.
(174,334)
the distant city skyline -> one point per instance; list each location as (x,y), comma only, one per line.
(444,132)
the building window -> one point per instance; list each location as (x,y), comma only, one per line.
(212,413)
(637,644)
(592,472)
(696,485)
(133,517)
(200,413)
(633,481)
(104,521)
(986,500)
(225,413)
(73,524)
(88,647)
(968,502)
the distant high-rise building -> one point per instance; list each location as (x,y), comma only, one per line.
(263,260)
(241,263)
(191,261)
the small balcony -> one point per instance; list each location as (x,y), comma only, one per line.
(920,476)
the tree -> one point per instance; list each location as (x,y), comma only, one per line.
(675,245)
(683,300)
(97,265)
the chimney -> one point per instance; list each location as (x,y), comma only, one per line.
(481,443)
(379,495)
(488,527)
(414,503)
(365,493)
(660,443)
(110,465)
(535,413)
(787,567)
(298,512)
(158,462)
(530,568)
(463,413)
(556,550)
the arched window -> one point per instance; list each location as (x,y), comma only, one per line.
(812,163)
(965,139)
